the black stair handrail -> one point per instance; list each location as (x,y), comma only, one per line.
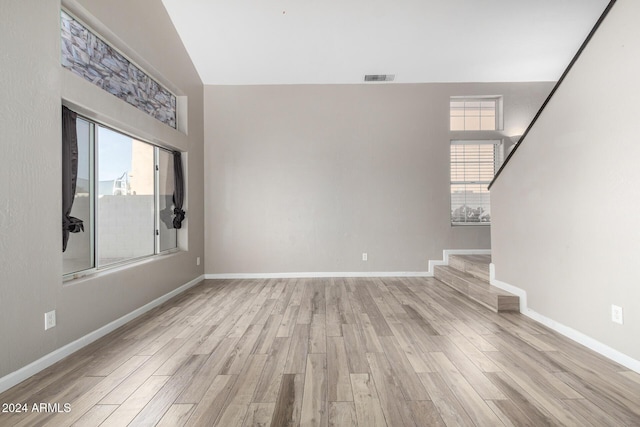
(553,91)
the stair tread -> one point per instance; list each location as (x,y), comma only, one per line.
(475,258)
(474,280)
(477,264)
(477,289)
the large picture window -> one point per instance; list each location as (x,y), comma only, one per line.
(124,197)
(473,164)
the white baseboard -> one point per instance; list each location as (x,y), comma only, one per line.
(567,331)
(33,368)
(299,275)
(447,252)
(586,341)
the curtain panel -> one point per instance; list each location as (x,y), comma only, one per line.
(178,192)
(69,175)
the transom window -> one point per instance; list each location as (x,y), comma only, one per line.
(88,56)
(474,113)
(124,199)
(473,164)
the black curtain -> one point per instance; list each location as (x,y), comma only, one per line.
(69,175)
(178,191)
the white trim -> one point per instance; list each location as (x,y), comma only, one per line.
(297,275)
(33,368)
(447,252)
(577,336)
(586,341)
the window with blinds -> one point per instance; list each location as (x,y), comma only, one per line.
(473,165)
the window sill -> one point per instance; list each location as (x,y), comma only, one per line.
(93,273)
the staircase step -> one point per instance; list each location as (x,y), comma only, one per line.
(477,289)
(475,265)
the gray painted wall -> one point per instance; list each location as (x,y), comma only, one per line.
(566,207)
(306,178)
(33,85)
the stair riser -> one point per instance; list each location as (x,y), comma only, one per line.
(481,271)
(508,303)
(457,263)
(462,282)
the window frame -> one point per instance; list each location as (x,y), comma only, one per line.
(95,195)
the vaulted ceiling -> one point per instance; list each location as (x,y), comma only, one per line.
(317,42)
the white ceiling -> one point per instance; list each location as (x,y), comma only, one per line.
(238,42)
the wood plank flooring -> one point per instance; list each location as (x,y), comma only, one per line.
(330,352)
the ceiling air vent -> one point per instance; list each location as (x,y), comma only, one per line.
(379,77)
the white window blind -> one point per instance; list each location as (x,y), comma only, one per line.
(473,164)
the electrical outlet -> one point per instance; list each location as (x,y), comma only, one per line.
(198,261)
(49,319)
(364,256)
(616,314)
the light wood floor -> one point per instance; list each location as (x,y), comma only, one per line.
(365,352)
